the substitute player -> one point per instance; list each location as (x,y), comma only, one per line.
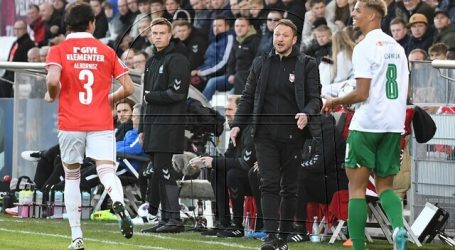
(81,70)
(381,72)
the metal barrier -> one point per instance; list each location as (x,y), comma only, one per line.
(433,163)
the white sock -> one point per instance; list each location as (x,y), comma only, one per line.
(73,201)
(110,181)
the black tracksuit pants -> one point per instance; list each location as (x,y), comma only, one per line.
(278,168)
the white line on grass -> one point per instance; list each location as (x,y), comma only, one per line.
(85,239)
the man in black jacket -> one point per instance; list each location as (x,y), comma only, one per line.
(196,42)
(166,84)
(281,93)
(18,53)
(230,173)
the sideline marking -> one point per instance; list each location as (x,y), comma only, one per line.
(85,239)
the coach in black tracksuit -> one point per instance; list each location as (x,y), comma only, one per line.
(166,84)
(281,93)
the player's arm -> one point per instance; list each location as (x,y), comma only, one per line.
(126,89)
(359,94)
(52,82)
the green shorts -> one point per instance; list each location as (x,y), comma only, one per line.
(379,152)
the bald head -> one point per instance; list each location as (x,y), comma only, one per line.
(33,55)
(46,10)
(20,28)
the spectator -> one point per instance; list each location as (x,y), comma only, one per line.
(123,123)
(122,21)
(33,55)
(195,42)
(294,10)
(17,53)
(411,7)
(218,52)
(340,70)
(445,30)
(43,53)
(141,41)
(219,8)
(230,173)
(242,54)
(340,11)
(101,24)
(438,51)
(59,7)
(133,7)
(392,12)
(127,57)
(139,61)
(317,10)
(399,30)
(323,45)
(51,20)
(144,12)
(109,13)
(201,19)
(265,45)
(157,9)
(451,53)
(274,5)
(36,24)
(258,15)
(421,33)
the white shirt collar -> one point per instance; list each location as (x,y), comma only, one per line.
(79,35)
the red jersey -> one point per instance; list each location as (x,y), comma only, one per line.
(88,68)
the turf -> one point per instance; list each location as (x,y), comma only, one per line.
(37,234)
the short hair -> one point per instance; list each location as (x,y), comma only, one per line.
(311,3)
(234,98)
(143,1)
(323,28)
(288,23)
(244,18)
(378,5)
(260,2)
(141,52)
(399,20)
(33,6)
(157,1)
(161,21)
(107,5)
(421,51)
(181,22)
(439,48)
(78,16)
(176,1)
(128,101)
(224,18)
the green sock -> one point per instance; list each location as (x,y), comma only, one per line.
(357,219)
(392,207)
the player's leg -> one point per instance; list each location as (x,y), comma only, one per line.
(101,148)
(360,160)
(72,147)
(388,166)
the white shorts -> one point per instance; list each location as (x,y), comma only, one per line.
(98,145)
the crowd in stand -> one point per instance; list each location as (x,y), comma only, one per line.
(221,39)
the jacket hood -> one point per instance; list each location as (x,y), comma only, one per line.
(250,33)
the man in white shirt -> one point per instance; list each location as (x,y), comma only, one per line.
(381,73)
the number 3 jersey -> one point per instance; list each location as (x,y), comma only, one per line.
(87,70)
(380,58)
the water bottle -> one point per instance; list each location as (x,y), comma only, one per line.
(27,201)
(58,205)
(50,203)
(85,205)
(21,202)
(315,235)
(38,204)
(246,225)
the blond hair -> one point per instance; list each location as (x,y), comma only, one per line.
(341,41)
(379,6)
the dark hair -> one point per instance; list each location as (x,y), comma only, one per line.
(141,52)
(225,18)
(128,101)
(161,21)
(176,1)
(288,23)
(33,6)
(143,1)
(311,3)
(439,48)
(157,1)
(399,20)
(244,18)
(78,16)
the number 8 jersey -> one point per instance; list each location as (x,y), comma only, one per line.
(380,58)
(87,70)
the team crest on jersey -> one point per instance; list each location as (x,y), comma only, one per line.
(195,48)
(160,71)
(122,63)
(291,78)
